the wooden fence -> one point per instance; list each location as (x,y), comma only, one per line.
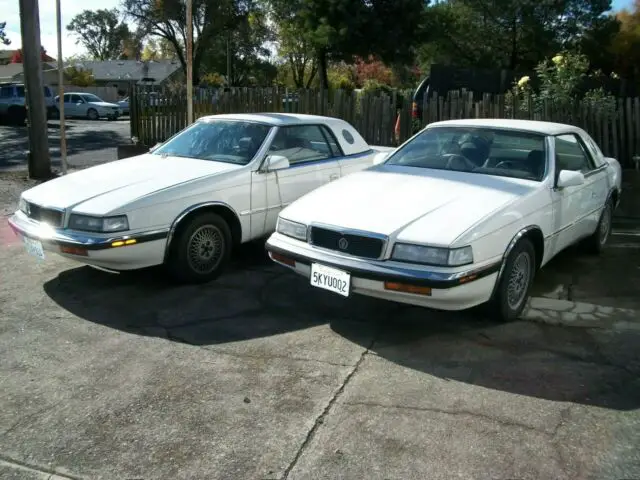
(157,115)
(108,94)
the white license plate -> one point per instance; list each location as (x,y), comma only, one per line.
(34,247)
(330,279)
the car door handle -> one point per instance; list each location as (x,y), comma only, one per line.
(333,176)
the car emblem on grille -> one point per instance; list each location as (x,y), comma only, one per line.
(343,244)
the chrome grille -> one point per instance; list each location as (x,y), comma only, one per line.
(49,216)
(351,243)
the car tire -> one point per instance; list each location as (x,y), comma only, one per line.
(92,114)
(512,291)
(596,243)
(17,116)
(200,250)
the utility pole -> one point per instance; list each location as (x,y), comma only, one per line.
(39,159)
(63,133)
(189,62)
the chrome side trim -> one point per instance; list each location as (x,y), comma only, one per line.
(75,238)
(187,211)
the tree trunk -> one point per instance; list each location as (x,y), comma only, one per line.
(322,69)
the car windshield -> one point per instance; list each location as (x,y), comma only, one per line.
(484,150)
(89,97)
(227,141)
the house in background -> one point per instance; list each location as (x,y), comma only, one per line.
(13,72)
(123,74)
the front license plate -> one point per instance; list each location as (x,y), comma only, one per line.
(34,247)
(335,281)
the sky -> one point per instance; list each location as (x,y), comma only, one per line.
(70,8)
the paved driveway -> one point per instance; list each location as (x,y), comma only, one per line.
(259,376)
(88,143)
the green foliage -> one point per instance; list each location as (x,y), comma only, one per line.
(561,80)
(3,36)
(513,34)
(79,77)
(214,80)
(100,32)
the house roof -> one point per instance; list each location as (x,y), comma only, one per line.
(132,70)
(11,70)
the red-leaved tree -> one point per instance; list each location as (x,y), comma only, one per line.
(17,56)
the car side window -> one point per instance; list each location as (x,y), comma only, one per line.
(301,144)
(571,154)
(76,99)
(66,98)
(596,153)
(333,143)
(6,92)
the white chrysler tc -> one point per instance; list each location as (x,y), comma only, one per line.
(462,214)
(219,182)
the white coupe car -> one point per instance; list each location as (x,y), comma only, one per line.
(462,214)
(217,183)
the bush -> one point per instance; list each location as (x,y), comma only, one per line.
(560,79)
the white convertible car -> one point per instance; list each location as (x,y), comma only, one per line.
(462,214)
(219,182)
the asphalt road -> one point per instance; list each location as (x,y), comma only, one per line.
(88,143)
(260,376)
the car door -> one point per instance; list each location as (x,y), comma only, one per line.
(576,208)
(312,163)
(78,105)
(69,107)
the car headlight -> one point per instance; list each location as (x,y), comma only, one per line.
(87,223)
(443,257)
(23,206)
(292,229)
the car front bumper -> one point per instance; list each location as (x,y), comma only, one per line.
(450,288)
(109,251)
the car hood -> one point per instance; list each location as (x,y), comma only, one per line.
(114,184)
(408,204)
(103,104)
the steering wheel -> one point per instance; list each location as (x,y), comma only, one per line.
(461,159)
(504,164)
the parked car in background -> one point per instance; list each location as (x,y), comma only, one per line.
(124,105)
(13,102)
(462,214)
(88,105)
(219,182)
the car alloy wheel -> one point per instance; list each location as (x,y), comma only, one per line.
(519,279)
(93,114)
(605,224)
(205,249)
(200,249)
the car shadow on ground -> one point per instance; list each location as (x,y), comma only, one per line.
(256,299)
(16,143)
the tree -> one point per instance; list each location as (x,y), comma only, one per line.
(158,49)
(341,29)
(3,35)
(101,32)
(297,50)
(80,77)
(516,34)
(626,43)
(167,19)
(17,56)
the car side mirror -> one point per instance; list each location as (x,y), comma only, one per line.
(380,157)
(276,162)
(569,178)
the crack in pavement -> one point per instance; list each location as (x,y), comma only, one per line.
(465,413)
(27,418)
(320,420)
(36,469)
